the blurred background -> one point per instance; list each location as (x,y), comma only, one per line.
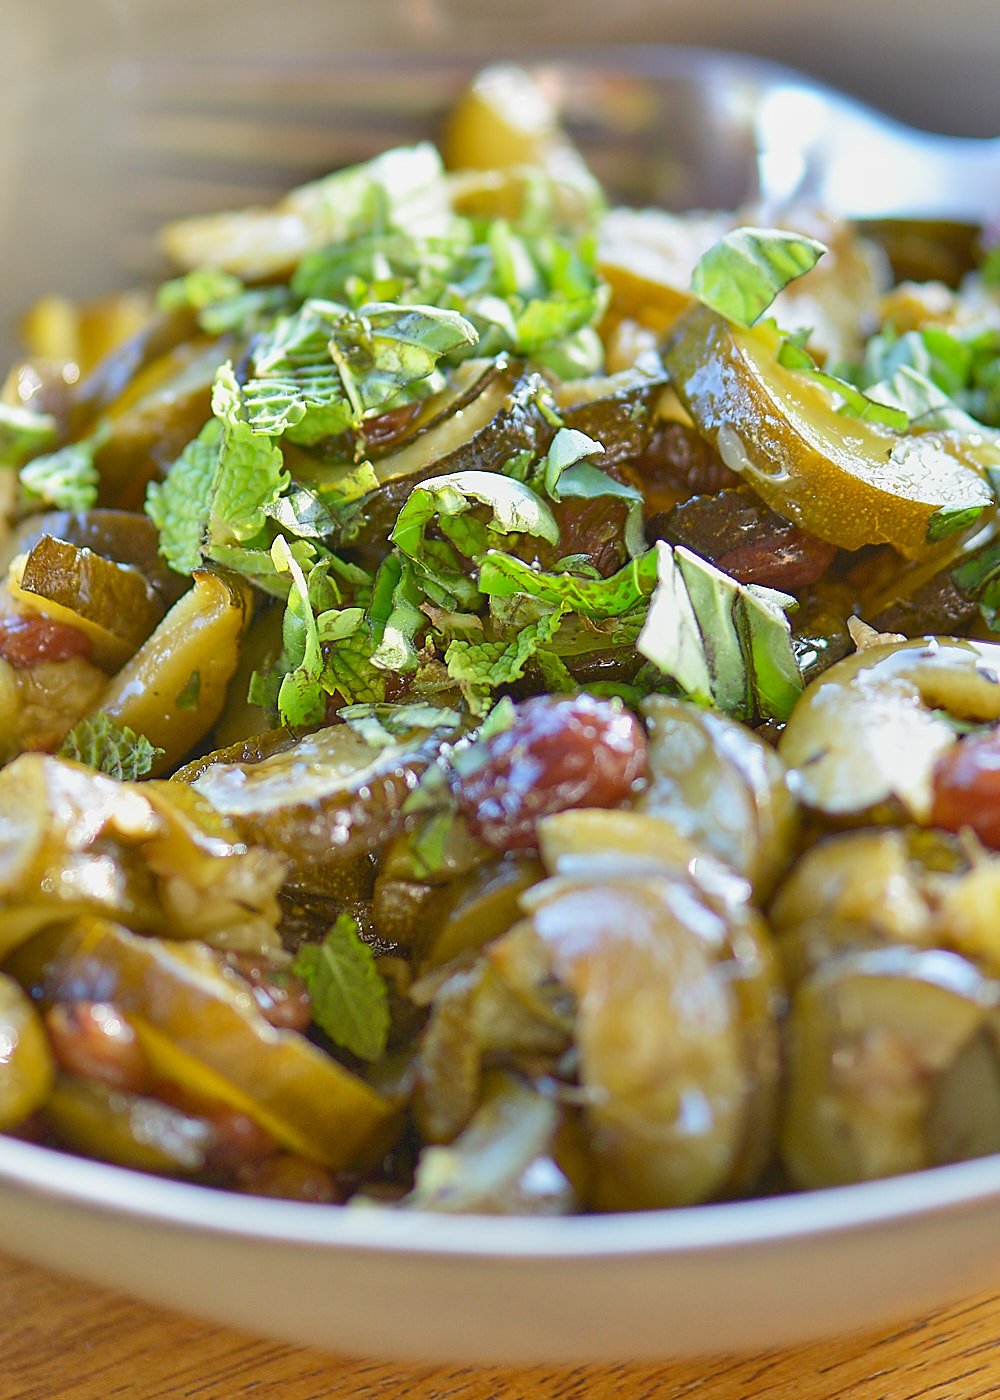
(88,91)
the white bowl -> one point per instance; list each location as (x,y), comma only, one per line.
(393,1283)
(407,1286)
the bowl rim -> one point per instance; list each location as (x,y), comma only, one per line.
(143,1199)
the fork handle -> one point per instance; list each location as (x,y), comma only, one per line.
(883,169)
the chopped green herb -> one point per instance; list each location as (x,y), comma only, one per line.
(326,368)
(301,698)
(854,403)
(349,998)
(742,274)
(723,642)
(179,505)
(198,289)
(503,575)
(111,748)
(945,522)
(480,667)
(66,479)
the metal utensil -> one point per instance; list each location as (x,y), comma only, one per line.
(682,127)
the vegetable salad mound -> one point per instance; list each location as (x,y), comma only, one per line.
(499,706)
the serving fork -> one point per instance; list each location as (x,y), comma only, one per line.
(680,127)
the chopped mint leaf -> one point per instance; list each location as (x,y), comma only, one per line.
(23,434)
(349,997)
(978,578)
(932,352)
(503,575)
(723,642)
(961,362)
(499,719)
(519,465)
(515,508)
(469,756)
(337,623)
(382,725)
(244,314)
(742,274)
(349,671)
(988,603)
(480,667)
(250,475)
(548,322)
(294,383)
(536,294)
(405,187)
(579,356)
(429,842)
(198,289)
(394,348)
(926,406)
(515,270)
(352,486)
(301,698)
(556,675)
(257,566)
(179,505)
(66,479)
(952,358)
(302,512)
(420,264)
(110,747)
(396,616)
(326,368)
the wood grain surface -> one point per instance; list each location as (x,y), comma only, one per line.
(65,1341)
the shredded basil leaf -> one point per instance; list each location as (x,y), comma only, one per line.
(742,274)
(723,642)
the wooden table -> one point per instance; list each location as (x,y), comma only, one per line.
(65,1341)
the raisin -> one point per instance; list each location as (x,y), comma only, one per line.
(237,1142)
(94,1040)
(790,560)
(736,531)
(966,787)
(25,641)
(594,529)
(560,752)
